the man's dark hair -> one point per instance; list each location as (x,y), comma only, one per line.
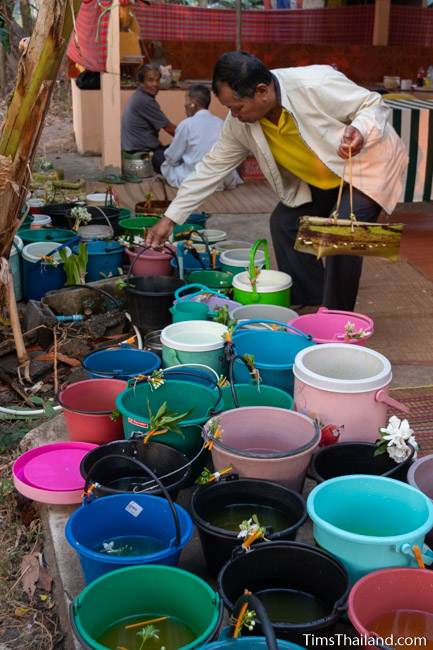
(241,72)
(144,69)
(200,95)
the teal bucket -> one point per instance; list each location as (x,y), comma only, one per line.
(182,311)
(370,522)
(47,234)
(138,593)
(181,396)
(253,395)
(192,342)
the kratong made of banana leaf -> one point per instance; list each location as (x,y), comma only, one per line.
(324,237)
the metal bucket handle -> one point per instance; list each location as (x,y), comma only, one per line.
(256,605)
(286,326)
(144,467)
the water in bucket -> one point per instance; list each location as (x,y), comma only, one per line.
(291,606)
(169,633)
(231,516)
(407,624)
(130,546)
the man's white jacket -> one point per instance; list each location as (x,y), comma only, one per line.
(323,102)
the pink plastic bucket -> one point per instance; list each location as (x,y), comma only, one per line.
(327,326)
(386,591)
(268,443)
(345,386)
(150,262)
(88,409)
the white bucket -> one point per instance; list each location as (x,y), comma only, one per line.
(194,342)
(34,252)
(266,312)
(40,221)
(346,386)
(231,244)
(240,258)
(99,199)
(212,236)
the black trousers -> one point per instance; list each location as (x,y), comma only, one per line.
(335,283)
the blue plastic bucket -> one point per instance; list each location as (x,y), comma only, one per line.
(105,259)
(274,352)
(120,363)
(126,516)
(370,522)
(40,277)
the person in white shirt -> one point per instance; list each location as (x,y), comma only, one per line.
(194,138)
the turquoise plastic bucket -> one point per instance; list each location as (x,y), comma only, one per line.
(274,352)
(132,516)
(191,342)
(47,234)
(181,396)
(251,395)
(370,522)
(182,311)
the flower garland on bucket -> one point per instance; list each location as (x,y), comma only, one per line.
(398,440)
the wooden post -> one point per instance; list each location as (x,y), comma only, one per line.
(111,105)
(238,25)
(382,10)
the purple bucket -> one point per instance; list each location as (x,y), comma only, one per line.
(214,301)
(264,442)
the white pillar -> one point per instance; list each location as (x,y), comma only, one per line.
(111,107)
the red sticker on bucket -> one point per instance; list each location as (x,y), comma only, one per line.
(138,423)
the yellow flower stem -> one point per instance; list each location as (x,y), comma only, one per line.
(154,432)
(223,472)
(418,556)
(239,620)
(252,538)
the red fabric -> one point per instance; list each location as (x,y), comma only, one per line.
(340,25)
(411,26)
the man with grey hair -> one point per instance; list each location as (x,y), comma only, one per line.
(143,118)
(195,136)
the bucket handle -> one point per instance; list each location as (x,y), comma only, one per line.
(426,552)
(144,467)
(196,365)
(233,358)
(382,396)
(243,323)
(253,251)
(202,289)
(256,605)
(144,249)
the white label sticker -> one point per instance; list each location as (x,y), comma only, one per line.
(134,509)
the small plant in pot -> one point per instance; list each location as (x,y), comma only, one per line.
(75,265)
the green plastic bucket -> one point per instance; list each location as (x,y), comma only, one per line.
(180,396)
(252,395)
(47,234)
(125,213)
(143,593)
(191,342)
(136,225)
(217,280)
(270,288)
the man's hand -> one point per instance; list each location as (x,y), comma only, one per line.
(351,136)
(160,232)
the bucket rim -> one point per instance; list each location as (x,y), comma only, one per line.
(26,254)
(223,532)
(270,366)
(242,283)
(225,257)
(89,413)
(356,537)
(177,283)
(217,328)
(169,549)
(331,559)
(331,385)
(267,456)
(261,306)
(121,371)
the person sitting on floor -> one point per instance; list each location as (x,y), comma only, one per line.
(195,136)
(143,118)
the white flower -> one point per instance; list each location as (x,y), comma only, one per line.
(399,455)
(398,435)
(248,527)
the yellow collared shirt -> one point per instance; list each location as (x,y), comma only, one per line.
(291,153)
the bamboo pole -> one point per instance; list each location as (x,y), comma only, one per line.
(238,25)
(22,127)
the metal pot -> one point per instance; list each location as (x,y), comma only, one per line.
(138,164)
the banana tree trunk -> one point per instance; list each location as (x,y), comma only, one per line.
(23,124)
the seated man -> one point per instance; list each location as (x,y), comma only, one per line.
(143,118)
(194,138)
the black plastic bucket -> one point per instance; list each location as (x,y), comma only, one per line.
(346,458)
(219,543)
(297,570)
(61,218)
(117,477)
(149,298)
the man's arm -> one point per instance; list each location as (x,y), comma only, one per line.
(224,157)
(174,153)
(170,128)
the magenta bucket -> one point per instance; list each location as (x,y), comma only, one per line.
(328,326)
(146,261)
(346,386)
(273,444)
(391,590)
(89,410)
